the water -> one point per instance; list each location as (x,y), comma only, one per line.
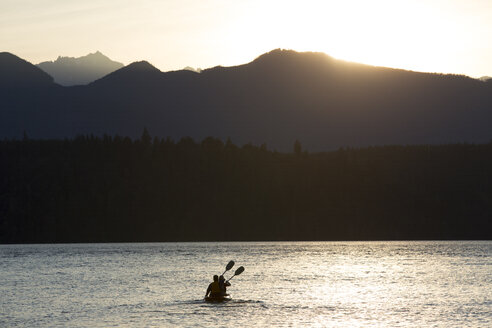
(291,284)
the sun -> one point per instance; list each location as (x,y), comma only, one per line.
(401,34)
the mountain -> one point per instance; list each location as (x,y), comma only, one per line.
(79,71)
(279,97)
(141,72)
(16,72)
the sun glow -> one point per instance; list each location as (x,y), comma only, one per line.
(402,34)
(451,36)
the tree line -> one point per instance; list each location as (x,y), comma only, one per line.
(115,189)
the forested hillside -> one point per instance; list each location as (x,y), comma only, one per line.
(109,189)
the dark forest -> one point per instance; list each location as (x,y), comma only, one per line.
(115,189)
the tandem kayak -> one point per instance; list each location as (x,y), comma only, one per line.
(218,299)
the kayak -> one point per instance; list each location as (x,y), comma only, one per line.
(218,299)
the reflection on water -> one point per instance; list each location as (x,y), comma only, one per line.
(326,284)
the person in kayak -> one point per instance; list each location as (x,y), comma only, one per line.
(223,285)
(214,288)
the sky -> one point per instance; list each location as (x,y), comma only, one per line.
(445,36)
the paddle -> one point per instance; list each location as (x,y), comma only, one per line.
(229,266)
(237,272)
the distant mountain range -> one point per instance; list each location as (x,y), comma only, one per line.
(279,97)
(78,71)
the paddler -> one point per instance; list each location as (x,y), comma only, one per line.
(223,285)
(214,288)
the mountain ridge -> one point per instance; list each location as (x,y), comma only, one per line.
(139,70)
(17,72)
(277,98)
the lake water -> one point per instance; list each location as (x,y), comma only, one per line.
(288,284)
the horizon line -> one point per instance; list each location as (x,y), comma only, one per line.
(199,69)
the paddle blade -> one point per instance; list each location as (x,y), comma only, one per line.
(239,271)
(229,265)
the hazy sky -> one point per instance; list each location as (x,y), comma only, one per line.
(451,36)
